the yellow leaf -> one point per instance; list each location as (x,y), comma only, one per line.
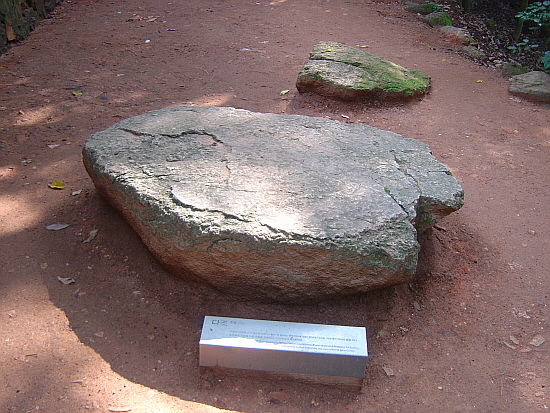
(284,92)
(479,81)
(77,93)
(56,185)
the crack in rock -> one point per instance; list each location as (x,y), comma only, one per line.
(253,202)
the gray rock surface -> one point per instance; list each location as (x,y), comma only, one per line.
(458,34)
(475,53)
(533,86)
(348,73)
(510,69)
(265,206)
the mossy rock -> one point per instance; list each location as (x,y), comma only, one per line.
(510,69)
(475,53)
(417,8)
(347,73)
(439,19)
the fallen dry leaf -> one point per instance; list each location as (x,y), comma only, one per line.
(537,340)
(388,371)
(509,345)
(66,280)
(91,235)
(56,227)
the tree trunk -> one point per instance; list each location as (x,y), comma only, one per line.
(519,25)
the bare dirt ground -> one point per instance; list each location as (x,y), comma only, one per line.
(466,336)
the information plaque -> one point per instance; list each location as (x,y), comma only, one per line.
(318,352)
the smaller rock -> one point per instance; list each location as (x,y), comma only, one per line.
(510,69)
(417,8)
(440,18)
(475,53)
(457,34)
(348,73)
(532,86)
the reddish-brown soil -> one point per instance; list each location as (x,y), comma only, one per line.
(466,337)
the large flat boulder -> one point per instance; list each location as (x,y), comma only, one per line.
(265,206)
(348,73)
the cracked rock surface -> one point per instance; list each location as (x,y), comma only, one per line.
(281,207)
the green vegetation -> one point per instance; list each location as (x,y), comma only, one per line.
(537,16)
(537,13)
(436,8)
(523,46)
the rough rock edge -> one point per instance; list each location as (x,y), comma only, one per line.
(533,86)
(154,209)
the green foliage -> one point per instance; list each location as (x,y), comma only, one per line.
(436,8)
(537,13)
(523,46)
(546,61)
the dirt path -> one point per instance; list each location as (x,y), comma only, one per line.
(125,334)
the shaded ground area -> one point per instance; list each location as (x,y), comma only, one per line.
(492,27)
(467,336)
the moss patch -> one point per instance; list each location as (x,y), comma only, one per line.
(342,71)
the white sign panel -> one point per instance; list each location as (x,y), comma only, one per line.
(295,348)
